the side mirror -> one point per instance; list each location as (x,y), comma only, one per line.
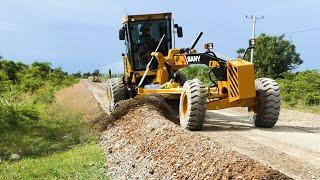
(179,30)
(122,34)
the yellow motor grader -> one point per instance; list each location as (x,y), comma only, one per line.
(152,64)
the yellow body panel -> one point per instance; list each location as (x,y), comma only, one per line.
(127,66)
(162,72)
(221,102)
(176,59)
(225,103)
(170,85)
(172,93)
(239,89)
(222,87)
(240,74)
(137,74)
(160,91)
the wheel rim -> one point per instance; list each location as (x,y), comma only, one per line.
(183,109)
(109,98)
(185,105)
(109,94)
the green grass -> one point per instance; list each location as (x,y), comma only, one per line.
(80,162)
(60,145)
(57,130)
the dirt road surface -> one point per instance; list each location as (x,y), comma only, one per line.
(292,147)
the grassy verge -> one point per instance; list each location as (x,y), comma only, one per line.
(302,108)
(59,145)
(81,162)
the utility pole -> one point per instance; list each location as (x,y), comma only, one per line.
(254,20)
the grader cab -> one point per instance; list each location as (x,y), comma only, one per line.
(152,66)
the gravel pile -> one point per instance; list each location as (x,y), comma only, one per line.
(141,143)
(158,102)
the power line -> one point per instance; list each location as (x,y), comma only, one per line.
(297,4)
(305,30)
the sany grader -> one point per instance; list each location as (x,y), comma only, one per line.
(152,63)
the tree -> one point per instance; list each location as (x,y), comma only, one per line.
(4,81)
(12,69)
(41,69)
(96,72)
(86,75)
(240,52)
(77,74)
(273,56)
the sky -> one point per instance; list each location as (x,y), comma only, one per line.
(82,35)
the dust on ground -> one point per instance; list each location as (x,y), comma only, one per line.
(142,143)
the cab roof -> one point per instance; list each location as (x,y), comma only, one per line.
(141,17)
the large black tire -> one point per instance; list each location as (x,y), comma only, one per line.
(268,109)
(116,91)
(192,107)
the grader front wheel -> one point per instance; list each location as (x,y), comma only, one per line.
(116,91)
(192,105)
(266,113)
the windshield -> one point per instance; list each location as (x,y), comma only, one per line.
(144,38)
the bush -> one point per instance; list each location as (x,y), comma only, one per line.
(301,88)
(4,82)
(44,95)
(11,114)
(197,71)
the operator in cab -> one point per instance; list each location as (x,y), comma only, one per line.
(146,45)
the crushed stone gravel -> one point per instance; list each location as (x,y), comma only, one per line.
(141,143)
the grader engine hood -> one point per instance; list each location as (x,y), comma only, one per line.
(240,80)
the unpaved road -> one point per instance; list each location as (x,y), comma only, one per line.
(292,147)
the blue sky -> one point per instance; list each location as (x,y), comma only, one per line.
(83,34)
